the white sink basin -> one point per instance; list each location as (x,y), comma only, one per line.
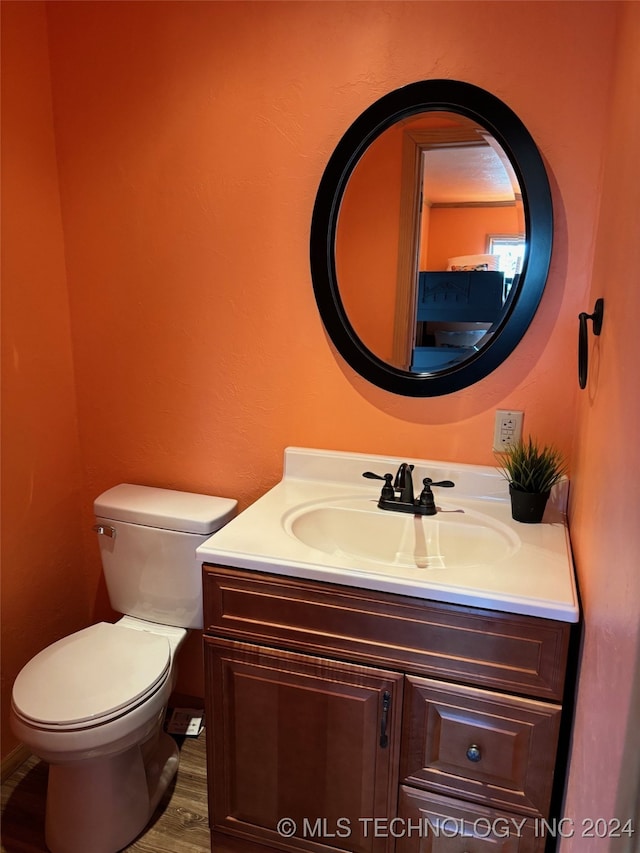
(356,527)
(321,522)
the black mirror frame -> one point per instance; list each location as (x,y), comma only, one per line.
(490,112)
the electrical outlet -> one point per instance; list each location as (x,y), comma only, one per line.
(508,429)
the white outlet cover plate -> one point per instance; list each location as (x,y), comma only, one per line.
(508,428)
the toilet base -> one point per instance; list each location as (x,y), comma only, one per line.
(101,805)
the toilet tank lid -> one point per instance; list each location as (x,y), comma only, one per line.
(168,509)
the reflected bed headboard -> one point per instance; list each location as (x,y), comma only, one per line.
(474,297)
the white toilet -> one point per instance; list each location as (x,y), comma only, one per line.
(93,704)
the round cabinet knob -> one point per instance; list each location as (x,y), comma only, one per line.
(473,753)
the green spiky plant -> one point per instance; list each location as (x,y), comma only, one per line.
(530,467)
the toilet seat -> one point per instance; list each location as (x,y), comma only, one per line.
(91,677)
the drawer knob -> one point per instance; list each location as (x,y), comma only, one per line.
(473,753)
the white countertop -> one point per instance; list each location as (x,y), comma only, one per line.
(535,577)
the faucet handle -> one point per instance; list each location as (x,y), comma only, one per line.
(426,498)
(447,484)
(387,492)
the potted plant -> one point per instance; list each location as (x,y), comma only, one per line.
(531,470)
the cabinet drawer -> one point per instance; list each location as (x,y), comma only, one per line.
(519,654)
(481,746)
(433,824)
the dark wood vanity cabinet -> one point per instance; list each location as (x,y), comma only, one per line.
(346,719)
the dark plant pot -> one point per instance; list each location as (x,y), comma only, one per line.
(527,507)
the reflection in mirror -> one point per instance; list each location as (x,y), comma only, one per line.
(430,241)
(434,175)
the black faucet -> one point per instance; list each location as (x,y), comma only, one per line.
(405,501)
(404,483)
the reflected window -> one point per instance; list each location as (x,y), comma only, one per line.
(509,249)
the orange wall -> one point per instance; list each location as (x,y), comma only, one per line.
(191,141)
(191,138)
(45,586)
(605,498)
(367,242)
(455,231)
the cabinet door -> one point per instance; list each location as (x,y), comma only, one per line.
(301,749)
(479,745)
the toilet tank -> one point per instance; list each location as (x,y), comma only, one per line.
(148,539)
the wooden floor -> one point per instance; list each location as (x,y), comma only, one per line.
(180,824)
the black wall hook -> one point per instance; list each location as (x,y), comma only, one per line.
(583,338)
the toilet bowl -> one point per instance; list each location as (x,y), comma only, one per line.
(95,692)
(92,704)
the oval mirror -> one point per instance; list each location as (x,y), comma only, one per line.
(431,238)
